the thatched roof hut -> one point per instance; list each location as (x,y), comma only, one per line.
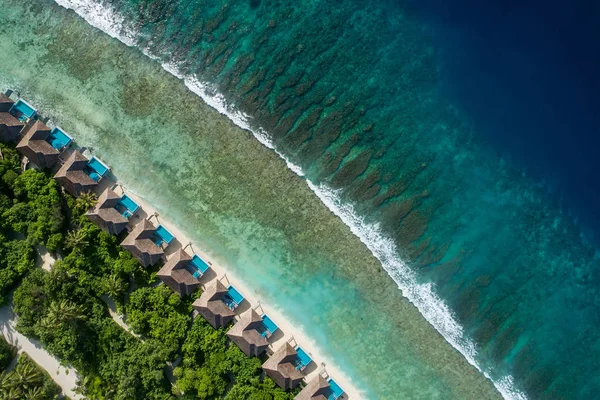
(317,389)
(247,333)
(35,146)
(211,306)
(140,243)
(281,367)
(73,175)
(105,213)
(10,127)
(177,274)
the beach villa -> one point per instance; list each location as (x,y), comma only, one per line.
(78,174)
(214,306)
(10,127)
(42,145)
(111,212)
(317,389)
(321,388)
(247,334)
(141,243)
(282,367)
(178,273)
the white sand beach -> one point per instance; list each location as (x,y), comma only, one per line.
(287,331)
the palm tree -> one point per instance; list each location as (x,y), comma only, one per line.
(7,384)
(14,393)
(86,201)
(76,239)
(60,312)
(27,375)
(114,286)
(35,393)
(82,385)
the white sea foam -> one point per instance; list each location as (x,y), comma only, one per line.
(216,100)
(101,17)
(422,295)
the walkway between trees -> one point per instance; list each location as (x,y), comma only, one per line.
(65,377)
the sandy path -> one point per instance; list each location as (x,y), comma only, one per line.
(65,377)
(45,259)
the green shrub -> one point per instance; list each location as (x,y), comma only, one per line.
(7,354)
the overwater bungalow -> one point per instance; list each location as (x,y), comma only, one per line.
(10,127)
(321,388)
(248,334)
(112,212)
(141,243)
(282,367)
(215,304)
(78,174)
(178,273)
(42,145)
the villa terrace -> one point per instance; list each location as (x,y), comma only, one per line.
(23,111)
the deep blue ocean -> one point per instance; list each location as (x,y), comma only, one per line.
(527,74)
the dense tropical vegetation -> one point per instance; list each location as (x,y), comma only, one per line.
(26,380)
(29,214)
(66,309)
(7,353)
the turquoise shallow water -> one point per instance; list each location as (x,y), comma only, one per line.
(352,96)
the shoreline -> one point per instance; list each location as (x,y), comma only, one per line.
(285,326)
(286,333)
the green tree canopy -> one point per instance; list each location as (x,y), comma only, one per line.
(157,313)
